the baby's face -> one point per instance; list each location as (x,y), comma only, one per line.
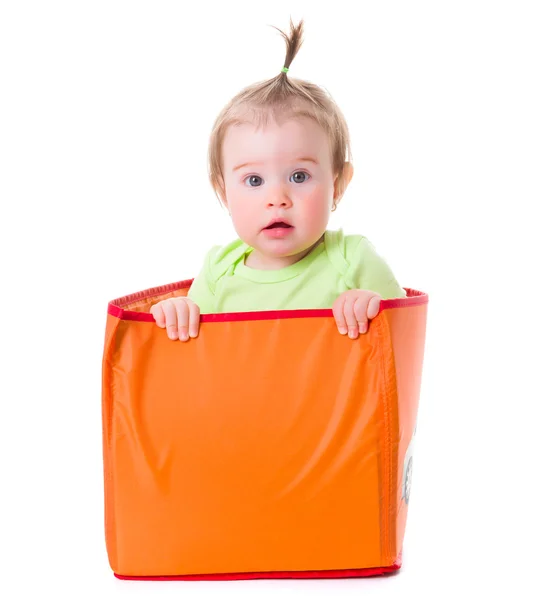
(278,172)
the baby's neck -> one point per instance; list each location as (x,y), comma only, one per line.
(256,260)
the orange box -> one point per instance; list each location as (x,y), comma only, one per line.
(269,446)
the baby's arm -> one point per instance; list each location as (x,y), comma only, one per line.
(370,280)
(202,289)
(368,270)
(181,315)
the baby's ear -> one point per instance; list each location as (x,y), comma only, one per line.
(348,171)
(220,191)
(342,181)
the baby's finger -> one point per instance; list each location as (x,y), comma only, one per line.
(361,313)
(158,314)
(349,312)
(171,319)
(194,319)
(182,310)
(339,317)
(373,306)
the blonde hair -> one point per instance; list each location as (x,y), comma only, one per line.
(282,96)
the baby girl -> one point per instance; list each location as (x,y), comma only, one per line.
(278,162)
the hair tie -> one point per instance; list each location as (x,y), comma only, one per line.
(284,69)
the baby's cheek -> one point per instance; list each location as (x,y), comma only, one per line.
(247,220)
(317,207)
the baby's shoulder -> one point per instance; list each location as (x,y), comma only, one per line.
(347,244)
(222,257)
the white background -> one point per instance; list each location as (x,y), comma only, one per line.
(105,112)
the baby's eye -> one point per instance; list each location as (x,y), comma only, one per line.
(301,173)
(256,179)
(253,178)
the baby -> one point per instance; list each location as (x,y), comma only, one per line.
(277,161)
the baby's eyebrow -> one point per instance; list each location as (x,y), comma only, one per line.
(248,164)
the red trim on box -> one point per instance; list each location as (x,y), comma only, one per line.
(272,574)
(116,307)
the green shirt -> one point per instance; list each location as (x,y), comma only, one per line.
(339,263)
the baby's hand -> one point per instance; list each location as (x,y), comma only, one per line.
(177,314)
(353,309)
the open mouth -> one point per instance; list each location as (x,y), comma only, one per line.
(279,224)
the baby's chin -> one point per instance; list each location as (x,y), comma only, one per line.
(282,248)
(283,243)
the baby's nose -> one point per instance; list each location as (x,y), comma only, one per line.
(279,199)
